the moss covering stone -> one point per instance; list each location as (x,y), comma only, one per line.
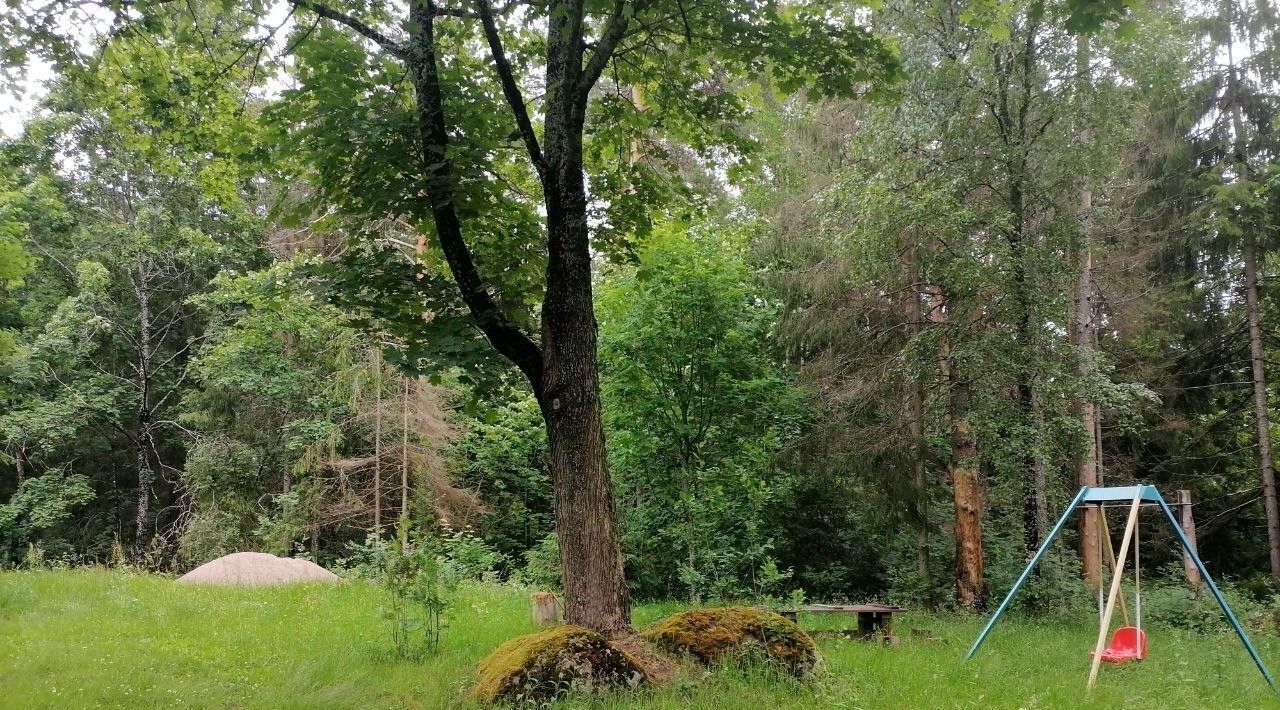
(736,633)
(544,665)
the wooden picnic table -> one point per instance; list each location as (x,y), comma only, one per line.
(874,620)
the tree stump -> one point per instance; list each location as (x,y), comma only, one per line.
(546,609)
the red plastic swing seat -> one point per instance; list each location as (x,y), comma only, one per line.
(1128,643)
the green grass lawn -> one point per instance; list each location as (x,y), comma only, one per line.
(107,639)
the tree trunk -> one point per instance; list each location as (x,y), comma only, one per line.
(377,444)
(1016,130)
(1086,330)
(1090,470)
(962,469)
(971,588)
(1033,473)
(145,476)
(1040,471)
(596,593)
(1187,520)
(20,462)
(142,289)
(1260,410)
(404,463)
(1034,476)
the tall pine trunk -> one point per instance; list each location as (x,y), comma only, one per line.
(1089,474)
(1261,415)
(1084,335)
(146,476)
(962,469)
(1262,421)
(377,443)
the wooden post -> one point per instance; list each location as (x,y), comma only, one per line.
(1115,589)
(1186,519)
(545,608)
(1111,559)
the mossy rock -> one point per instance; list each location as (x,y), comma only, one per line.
(736,633)
(564,658)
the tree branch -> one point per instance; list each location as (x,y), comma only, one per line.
(510,88)
(367,30)
(615,29)
(451,12)
(505,336)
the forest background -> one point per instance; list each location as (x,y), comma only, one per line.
(853,344)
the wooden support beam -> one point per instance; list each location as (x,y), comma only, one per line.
(1111,559)
(1187,521)
(1115,590)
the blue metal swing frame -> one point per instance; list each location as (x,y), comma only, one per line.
(1148,494)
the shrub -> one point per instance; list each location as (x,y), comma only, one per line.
(1176,606)
(736,633)
(39,514)
(542,564)
(469,557)
(214,531)
(418,587)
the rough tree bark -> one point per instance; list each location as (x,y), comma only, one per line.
(1186,518)
(146,476)
(569,387)
(962,469)
(1261,415)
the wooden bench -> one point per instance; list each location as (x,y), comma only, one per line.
(875,621)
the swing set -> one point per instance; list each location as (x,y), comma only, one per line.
(1128,643)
